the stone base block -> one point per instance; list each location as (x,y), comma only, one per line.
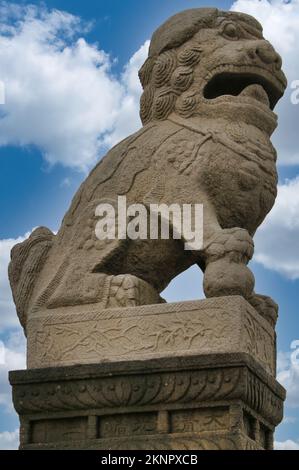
(199,401)
(85,334)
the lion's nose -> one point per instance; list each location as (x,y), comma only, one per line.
(266,53)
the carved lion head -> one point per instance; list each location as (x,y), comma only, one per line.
(205,62)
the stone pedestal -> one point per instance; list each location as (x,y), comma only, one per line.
(191,375)
(220,401)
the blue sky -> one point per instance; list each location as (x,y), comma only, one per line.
(46,150)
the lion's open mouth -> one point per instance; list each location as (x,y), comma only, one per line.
(246,84)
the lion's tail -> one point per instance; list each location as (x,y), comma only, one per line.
(27,260)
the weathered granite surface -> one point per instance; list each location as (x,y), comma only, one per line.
(87,335)
(213,401)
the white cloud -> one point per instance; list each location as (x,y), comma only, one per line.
(123,125)
(286,445)
(283,361)
(15,359)
(8,316)
(277,240)
(280,20)
(14,356)
(9,440)
(288,376)
(61,95)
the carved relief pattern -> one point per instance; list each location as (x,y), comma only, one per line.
(127,424)
(90,335)
(263,400)
(156,389)
(212,419)
(120,337)
(185,387)
(259,342)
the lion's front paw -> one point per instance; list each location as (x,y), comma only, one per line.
(266,307)
(127,290)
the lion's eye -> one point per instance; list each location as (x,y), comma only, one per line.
(231,31)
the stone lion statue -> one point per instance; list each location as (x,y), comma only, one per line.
(210,84)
